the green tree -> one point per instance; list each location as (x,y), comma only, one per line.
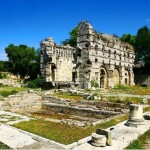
(73,38)
(34,67)
(22,58)
(142,45)
(128,38)
(1,65)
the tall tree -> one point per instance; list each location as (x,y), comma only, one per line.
(73,38)
(128,38)
(34,68)
(142,45)
(22,58)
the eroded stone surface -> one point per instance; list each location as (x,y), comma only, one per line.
(99,57)
(135,115)
(107,134)
(98,140)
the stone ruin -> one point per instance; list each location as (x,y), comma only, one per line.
(98,57)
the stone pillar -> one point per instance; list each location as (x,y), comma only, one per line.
(131,78)
(135,115)
(110,79)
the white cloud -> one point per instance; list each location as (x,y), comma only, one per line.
(147,20)
(3,56)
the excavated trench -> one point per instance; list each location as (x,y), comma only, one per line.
(83,111)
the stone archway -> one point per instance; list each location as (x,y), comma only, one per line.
(53,67)
(116,77)
(103,78)
(127,78)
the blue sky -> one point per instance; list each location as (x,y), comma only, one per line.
(30,21)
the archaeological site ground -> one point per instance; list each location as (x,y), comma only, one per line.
(67,118)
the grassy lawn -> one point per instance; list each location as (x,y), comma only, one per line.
(63,133)
(138,90)
(3,146)
(125,100)
(6,91)
(141,142)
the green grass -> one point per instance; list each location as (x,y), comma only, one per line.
(140,142)
(9,118)
(145,109)
(68,96)
(63,133)
(125,100)
(138,90)
(6,91)
(3,146)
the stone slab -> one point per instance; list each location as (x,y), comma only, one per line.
(13,138)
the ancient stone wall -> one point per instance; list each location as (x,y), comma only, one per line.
(104,57)
(99,57)
(56,61)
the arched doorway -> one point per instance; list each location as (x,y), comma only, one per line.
(53,67)
(116,77)
(103,78)
(127,78)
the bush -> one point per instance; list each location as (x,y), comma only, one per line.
(94,84)
(3,75)
(6,93)
(122,87)
(36,83)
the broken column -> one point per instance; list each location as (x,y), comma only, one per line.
(135,115)
(98,140)
(101,138)
(107,134)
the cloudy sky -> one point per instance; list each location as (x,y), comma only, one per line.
(30,21)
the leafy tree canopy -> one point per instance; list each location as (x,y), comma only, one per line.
(73,38)
(23,58)
(128,38)
(142,45)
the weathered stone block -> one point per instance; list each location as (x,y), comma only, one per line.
(107,134)
(98,140)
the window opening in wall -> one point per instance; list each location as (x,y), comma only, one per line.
(126,81)
(102,78)
(96,48)
(96,76)
(74,76)
(96,60)
(115,54)
(109,53)
(103,48)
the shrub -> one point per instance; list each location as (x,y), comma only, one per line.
(6,93)
(36,83)
(94,84)
(122,87)
(3,75)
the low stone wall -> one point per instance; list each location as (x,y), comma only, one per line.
(85,112)
(10,82)
(21,102)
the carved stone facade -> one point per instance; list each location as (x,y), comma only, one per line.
(100,57)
